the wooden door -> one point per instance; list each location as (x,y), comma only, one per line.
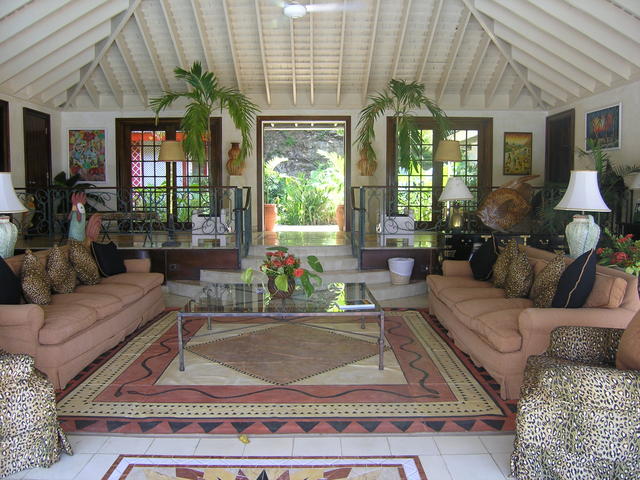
(560,137)
(37,148)
(5,164)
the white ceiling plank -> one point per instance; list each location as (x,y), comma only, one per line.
(60,86)
(541,69)
(400,43)
(548,87)
(478,58)
(61,27)
(293,62)
(151,50)
(27,16)
(496,78)
(453,53)
(372,41)
(515,92)
(503,18)
(263,55)
(133,71)
(488,29)
(545,56)
(113,82)
(117,28)
(341,58)
(92,92)
(632,6)
(548,98)
(611,15)
(565,32)
(60,99)
(232,43)
(173,33)
(433,24)
(312,88)
(37,85)
(7,7)
(35,61)
(202,33)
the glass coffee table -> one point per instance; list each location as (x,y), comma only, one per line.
(216,300)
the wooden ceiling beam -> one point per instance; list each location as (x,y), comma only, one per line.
(93,93)
(173,34)
(478,58)
(7,7)
(400,43)
(372,42)
(547,86)
(263,54)
(612,16)
(341,56)
(312,87)
(453,53)
(232,43)
(61,86)
(541,69)
(27,17)
(292,43)
(433,24)
(515,92)
(202,34)
(133,71)
(151,50)
(112,81)
(496,78)
(632,6)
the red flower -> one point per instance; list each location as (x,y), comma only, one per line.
(298,272)
(620,257)
(269,254)
(599,251)
(290,261)
(629,235)
(277,263)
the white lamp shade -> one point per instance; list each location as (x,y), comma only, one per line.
(635,182)
(583,193)
(455,190)
(294,10)
(448,151)
(9,202)
(171,151)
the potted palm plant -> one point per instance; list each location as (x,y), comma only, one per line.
(203,96)
(402,99)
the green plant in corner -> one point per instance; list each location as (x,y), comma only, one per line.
(205,95)
(402,99)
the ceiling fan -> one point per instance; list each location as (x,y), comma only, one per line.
(294,9)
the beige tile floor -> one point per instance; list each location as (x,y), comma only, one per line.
(444,456)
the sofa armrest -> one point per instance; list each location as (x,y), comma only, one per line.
(19,328)
(591,345)
(137,265)
(536,324)
(456,268)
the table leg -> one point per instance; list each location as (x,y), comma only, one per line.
(362,325)
(180,344)
(208,323)
(381,342)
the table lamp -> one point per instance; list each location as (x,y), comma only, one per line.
(583,194)
(448,151)
(455,191)
(171,151)
(9,203)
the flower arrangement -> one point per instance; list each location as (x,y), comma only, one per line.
(283,268)
(624,253)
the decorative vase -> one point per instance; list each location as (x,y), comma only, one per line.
(340,217)
(270,216)
(276,293)
(367,167)
(8,237)
(233,167)
(582,235)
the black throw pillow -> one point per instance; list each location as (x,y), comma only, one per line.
(576,282)
(10,290)
(108,259)
(483,259)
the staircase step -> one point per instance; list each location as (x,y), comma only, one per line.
(319,251)
(339,262)
(347,276)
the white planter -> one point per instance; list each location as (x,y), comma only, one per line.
(400,269)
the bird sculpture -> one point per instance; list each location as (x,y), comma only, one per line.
(78,217)
(508,205)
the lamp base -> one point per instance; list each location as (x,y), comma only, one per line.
(582,235)
(8,237)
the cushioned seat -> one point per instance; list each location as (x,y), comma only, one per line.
(451,296)
(103,305)
(126,293)
(146,281)
(469,310)
(500,329)
(437,283)
(63,321)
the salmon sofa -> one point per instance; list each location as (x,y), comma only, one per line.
(500,333)
(69,333)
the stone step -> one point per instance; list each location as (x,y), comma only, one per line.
(318,251)
(346,276)
(329,263)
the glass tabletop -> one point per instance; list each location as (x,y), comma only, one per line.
(240,298)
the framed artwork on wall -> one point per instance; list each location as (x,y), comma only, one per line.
(87,154)
(603,126)
(517,153)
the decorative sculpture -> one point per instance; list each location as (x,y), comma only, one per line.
(78,217)
(508,205)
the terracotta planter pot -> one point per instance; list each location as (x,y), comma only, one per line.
(270,216)
(271,286)
(340,217)
(367,167)
(232,167)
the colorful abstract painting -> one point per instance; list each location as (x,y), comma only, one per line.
(517,153)
(603,127)
(87,154)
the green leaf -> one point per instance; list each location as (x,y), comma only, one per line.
(306,284)
(282,249)
(315,263)
(247,275)
(282,283)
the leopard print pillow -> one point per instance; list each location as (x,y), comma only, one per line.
(83,263)
(519,277)
(35,282)
(546,282)
(501,267)
(60,271)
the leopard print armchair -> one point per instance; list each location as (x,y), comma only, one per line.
(30,435)
(578,416)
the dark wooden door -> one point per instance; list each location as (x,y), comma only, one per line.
(559,146)
(37,148)
(5,164)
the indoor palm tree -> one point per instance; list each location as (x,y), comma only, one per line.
(402,99)
(204,95)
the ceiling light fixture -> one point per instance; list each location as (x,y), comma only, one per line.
(294,10)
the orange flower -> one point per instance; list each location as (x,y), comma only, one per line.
(298,272)
(290,260)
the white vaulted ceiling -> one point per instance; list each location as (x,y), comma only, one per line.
(106,54)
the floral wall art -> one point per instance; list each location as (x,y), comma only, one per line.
(87,154)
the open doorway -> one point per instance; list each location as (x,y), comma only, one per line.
(303,173)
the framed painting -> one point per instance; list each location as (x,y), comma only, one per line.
(517,153)
(603,126)
(87,154)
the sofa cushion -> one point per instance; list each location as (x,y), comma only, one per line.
(10,292)
(109,261)
(500,329)
(104,305)
(607,292)
(483,259)
(519,277)
(60,271)
(146,281)
(576,282)
(126,293)
(628,355)
(63,321)
(437,283)
(34,280)
(546,281)
(83,263)
(451,296)
(501,267)
(468,311)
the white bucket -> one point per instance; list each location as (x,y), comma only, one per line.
(400,269)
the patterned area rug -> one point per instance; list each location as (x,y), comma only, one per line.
(130,467)
(427,385)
